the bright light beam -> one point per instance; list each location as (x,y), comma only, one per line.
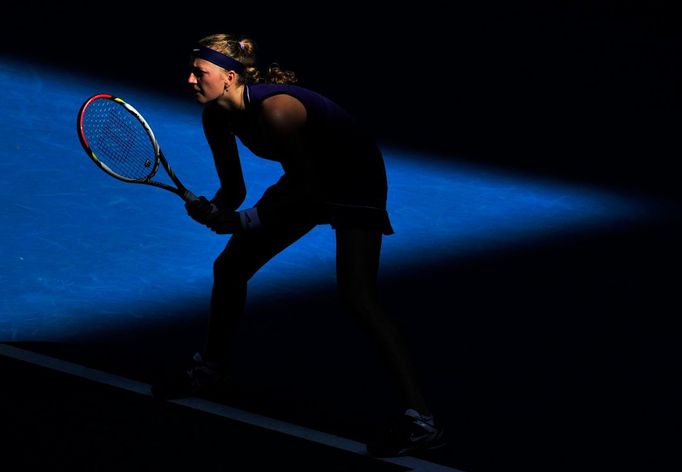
(81,249)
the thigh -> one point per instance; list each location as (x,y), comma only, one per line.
(248,251)
(357,260)
(284,223)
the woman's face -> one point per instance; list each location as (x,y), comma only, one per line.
(207,80)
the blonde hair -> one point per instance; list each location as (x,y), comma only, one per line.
(243,50)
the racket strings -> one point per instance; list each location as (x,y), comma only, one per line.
(119,140)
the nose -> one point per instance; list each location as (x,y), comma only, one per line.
(192,79)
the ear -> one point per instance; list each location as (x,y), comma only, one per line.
(230,76)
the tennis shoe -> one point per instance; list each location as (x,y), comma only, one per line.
(201,378)
(408,433)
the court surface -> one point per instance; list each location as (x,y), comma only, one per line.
(537,309)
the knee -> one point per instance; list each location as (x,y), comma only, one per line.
(362,306)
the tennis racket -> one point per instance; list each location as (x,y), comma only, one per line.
(120,141)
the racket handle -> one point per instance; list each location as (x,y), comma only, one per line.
(189,196)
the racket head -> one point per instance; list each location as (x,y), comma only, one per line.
(118,139)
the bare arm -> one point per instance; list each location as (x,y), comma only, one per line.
(232,191)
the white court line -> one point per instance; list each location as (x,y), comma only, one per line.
(415,464)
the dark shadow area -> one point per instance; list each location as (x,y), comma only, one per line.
(552,355)
(584,90)
(82,425)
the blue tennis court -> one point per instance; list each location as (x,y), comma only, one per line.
(87,258)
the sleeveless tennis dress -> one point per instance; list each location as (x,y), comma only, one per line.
(338,176)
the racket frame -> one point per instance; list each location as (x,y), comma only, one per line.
(159,157)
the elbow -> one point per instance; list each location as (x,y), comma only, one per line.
(235,198)
(239,197)
(229,200)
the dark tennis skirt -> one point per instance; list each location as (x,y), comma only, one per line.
(352,216)
(285,203)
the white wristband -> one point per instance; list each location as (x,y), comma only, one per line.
(249,219)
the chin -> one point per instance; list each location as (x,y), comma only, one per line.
(199,97)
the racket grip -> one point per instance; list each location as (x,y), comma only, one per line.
(190,197)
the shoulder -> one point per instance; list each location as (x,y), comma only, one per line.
(211,113)
(283,112)
(213,117)
(217,127)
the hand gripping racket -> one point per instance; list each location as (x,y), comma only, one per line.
(118,139)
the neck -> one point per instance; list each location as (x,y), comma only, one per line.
(232,99)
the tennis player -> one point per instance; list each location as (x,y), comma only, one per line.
(333,174)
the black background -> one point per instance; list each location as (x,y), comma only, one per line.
(585,90)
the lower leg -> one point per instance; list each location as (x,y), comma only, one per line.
(393,350)
(244,255)
(228,301)
(357,269)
